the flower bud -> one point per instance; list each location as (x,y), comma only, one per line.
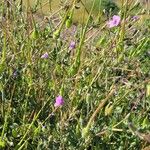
(108,109)
(69,22)
(34,34)
(56,34)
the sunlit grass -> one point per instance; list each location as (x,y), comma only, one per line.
(68,84)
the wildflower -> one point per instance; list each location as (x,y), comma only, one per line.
(134,18)
(59,101)
(45,55)
(115,21)
(72,45)
(74,29)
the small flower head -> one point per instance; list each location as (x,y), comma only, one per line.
(135,18)
(45,55)
(72,45)
(59,101)
(115,21)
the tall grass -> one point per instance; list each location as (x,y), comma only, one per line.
(103,78)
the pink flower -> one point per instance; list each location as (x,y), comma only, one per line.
(45,55)
(115,21)
(59,101)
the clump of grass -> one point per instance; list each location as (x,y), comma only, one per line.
(76,86)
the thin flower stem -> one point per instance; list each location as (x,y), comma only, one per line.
(105,131)
(76,64)
(101,104)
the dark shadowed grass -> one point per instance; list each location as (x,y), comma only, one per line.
(103,78)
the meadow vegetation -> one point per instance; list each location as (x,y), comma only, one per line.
(74,79)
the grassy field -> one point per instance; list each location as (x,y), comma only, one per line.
(47,7)
(71,86)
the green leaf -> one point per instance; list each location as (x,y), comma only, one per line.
(35,34)
(145,122)
(2,143)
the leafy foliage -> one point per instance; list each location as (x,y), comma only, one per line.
(74,86)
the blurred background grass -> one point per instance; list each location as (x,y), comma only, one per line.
(47,6)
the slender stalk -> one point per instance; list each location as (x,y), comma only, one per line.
(101,105)
(85,130)
(75,67)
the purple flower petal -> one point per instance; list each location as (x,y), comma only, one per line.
(45,55)
(115,21)
(110,24)
(134,18)
(72,45)
(59,101)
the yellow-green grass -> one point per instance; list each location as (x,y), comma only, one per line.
(45,9)
(80,15)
